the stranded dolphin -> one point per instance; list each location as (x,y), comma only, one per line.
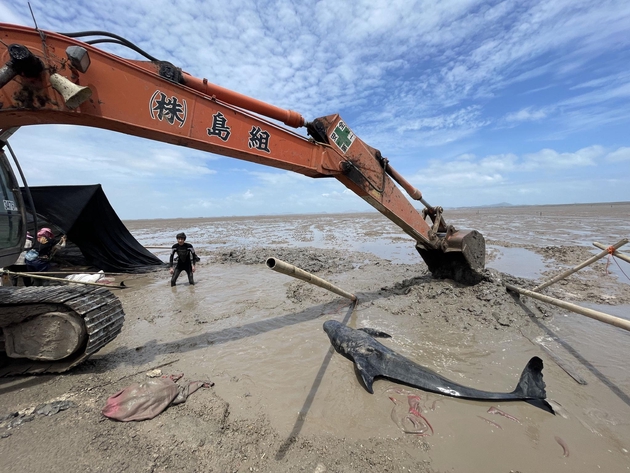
(373,359)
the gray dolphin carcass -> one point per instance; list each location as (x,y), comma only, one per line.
(373,359)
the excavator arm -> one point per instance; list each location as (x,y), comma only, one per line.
(51,78)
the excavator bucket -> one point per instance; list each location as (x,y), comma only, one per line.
(461,257)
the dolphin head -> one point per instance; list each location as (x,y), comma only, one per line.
(335,330)
(331,327)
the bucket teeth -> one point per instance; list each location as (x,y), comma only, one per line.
(461,256)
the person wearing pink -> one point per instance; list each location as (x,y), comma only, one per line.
(38,257)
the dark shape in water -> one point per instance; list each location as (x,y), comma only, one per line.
(372,359)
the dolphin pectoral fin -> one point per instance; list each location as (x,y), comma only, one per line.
(541,404)
(375,333)
(368,373)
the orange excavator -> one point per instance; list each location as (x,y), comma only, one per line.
(55,78)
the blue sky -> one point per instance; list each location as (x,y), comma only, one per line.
(474,102)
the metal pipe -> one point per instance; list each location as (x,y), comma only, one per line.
(414,193)
(288,117)
(293,271)
(616,253)
(593,314)
(6,74)
(568,272)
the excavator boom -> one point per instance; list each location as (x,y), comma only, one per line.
(51,78)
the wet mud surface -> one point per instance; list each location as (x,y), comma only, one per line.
(283,401)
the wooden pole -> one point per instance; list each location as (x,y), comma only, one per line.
(593,314)
(568,272)
(73,272)
(68,281)
(616,253)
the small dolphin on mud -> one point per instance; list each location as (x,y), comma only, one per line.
(373,359)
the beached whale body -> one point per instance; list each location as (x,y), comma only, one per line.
(373,359)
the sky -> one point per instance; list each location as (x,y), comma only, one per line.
(474,102)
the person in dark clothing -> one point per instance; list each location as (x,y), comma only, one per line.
(186,258)
(38,257)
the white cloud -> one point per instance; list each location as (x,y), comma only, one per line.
(526,114)
(495,173)
(168,162)
(8,16)
(551,159)
(600,96)
(280,179)
(622,154)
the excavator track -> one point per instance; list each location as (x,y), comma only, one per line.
(98,309)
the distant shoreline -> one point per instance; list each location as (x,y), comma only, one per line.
(504,206)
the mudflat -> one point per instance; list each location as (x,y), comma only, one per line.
(284,401)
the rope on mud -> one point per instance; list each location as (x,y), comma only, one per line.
(302,413)
(620,269)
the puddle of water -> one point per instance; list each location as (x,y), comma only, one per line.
(518,262)
(396,253)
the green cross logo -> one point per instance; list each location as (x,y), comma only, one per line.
(342,136)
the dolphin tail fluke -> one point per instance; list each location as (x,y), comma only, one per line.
(531,384)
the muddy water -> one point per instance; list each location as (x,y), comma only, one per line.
(266,354)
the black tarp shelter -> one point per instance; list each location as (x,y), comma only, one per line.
(85,215)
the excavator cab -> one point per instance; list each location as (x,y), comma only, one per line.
(12,215)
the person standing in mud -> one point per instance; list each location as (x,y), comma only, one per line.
(185,260)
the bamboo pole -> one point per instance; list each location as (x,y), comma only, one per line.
(68,281)
(616,253)
(593,314)
(568,272)
(73,272)
(293,271)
